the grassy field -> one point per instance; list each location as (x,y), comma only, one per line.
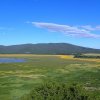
(92,54)
(18,79)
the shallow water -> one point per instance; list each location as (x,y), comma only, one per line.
(11,60)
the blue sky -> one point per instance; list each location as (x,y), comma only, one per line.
(50,21)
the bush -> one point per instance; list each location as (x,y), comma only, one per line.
(57,91)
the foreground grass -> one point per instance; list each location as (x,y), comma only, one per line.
(17,79)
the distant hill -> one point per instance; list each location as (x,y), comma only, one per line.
(46,48)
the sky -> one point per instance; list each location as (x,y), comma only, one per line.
(50,21)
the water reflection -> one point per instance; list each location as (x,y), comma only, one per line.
(11,60)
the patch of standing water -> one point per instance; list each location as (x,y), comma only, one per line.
(11,60)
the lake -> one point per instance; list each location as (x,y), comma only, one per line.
(11,60)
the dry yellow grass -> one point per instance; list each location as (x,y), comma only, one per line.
(66,56)
(80,59)
(25,55)
(30,76)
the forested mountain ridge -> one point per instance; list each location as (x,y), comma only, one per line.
(46,48)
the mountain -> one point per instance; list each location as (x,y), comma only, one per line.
(46,48)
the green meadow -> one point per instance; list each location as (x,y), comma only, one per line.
(18,79)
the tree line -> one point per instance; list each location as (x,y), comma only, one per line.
(86,56)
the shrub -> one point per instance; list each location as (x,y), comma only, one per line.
(57,91)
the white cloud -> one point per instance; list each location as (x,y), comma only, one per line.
(88,27)
(82,31)
(98,27)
